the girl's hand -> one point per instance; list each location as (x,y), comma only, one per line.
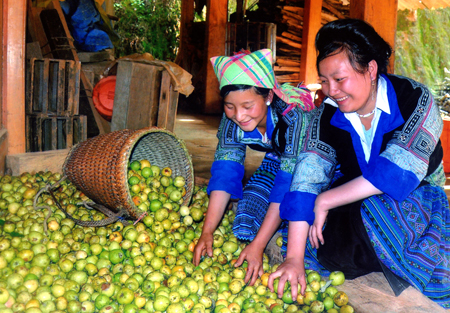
(292,270)
(203,246)
(254,255)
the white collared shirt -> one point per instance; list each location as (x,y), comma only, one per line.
(381,104)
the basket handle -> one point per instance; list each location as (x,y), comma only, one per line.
(113,217)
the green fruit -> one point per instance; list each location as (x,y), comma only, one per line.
(125,296)
(116,256)
(287,297)
(337,278)
(340,298)
(135,165)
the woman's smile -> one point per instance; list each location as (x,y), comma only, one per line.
(350,89)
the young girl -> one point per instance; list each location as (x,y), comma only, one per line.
(263,116)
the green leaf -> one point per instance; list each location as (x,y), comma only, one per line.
(16,234)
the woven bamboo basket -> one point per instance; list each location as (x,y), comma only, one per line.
(99,165)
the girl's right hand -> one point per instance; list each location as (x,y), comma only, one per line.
(203,246)
(292,270)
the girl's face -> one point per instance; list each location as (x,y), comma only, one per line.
(247,109)
(350,89)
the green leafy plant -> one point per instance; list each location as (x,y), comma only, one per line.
(421,48)
(148,26)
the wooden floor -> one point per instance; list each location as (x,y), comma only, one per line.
(367,294)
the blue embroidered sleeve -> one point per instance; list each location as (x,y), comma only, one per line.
(399,169)
(298,206)
(227,176)
(280,187)
(295,136)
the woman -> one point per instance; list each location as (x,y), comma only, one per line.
(265,117)
(388,212)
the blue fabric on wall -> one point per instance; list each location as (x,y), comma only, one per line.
(86,25)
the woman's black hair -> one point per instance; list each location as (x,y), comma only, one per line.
(358,39)
(225,90)
(280,129)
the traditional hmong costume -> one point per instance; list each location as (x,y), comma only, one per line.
(404,232)
(272,179)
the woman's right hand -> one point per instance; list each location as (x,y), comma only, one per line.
(203,246)
(292,270)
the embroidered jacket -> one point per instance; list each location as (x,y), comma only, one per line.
(228,167)
(405,153)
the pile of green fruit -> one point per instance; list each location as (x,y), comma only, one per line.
(143,267)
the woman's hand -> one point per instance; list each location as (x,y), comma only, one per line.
(203,246)
(253,253)
(292,270)
(315,231)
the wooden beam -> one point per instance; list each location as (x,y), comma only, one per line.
(384,21)
(13,73)
(186,20)
(312,18)
(216,21)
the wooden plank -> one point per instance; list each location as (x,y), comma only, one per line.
(143,106)
(216,20)
(3,148)
(288,62)
(44,87)
(289,42)
(384,21)
(168,103)
(311,25)
(285,68)
(332,10)
(292,37)
(61,99)
(54,133)
(136,95)
(33,162)
(36,30)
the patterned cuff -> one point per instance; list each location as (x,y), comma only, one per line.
(391,179)
(298,206)
(281,186)
(227,176)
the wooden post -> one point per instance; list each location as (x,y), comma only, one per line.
(239,11)
(186,20)
(311,24)
(383,20)
(13,74)
(216,20)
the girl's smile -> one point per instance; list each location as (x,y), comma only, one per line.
(247,109)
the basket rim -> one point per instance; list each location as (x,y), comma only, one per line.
(134,138)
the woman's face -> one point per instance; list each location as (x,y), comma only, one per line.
(350,89)
(247,109)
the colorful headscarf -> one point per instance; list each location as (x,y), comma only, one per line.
(255,69)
